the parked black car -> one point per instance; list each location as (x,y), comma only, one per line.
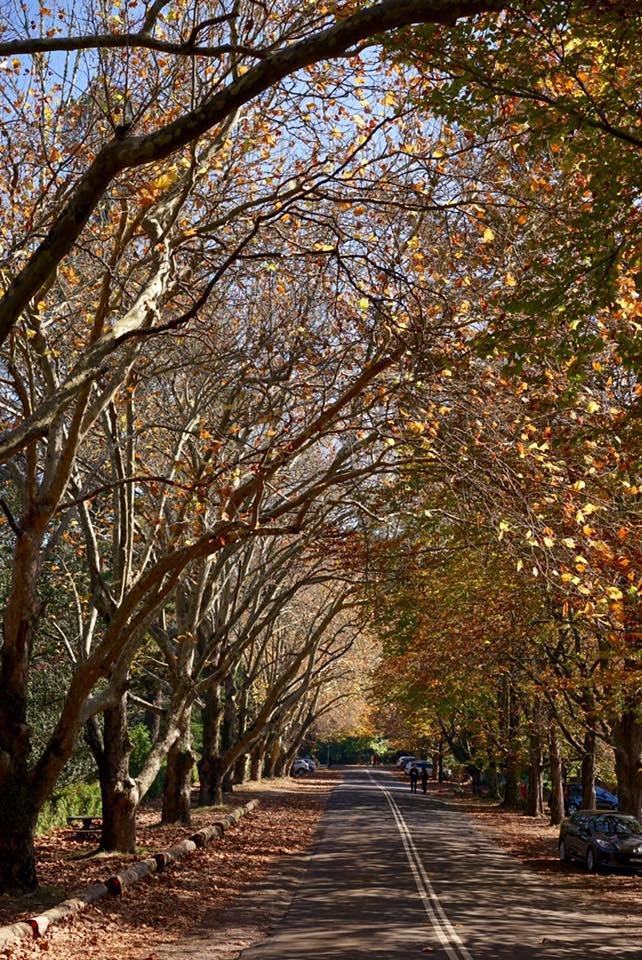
(601,840)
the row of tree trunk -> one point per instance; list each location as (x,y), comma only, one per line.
(233,752)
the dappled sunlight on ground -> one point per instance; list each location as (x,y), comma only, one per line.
(168,906)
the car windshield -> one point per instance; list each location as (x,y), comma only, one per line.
(626,826)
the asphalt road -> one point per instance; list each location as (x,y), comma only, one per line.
(397,875)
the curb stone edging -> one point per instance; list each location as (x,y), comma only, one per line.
(116,884)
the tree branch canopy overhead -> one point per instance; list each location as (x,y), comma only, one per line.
(123,154)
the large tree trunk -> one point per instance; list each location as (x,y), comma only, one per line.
(512,796)
(557,783)
(209,764)
(627,739)
(17,825)
(211,787)
(493,780)
(288,757)
(273,757)
(475,778)
(229,738)
(257,761)
(119,792)
(281,767)
(535,799)
(120,807)
(241,769)
(241,766)
(17,812)
(177,795)
(588,771)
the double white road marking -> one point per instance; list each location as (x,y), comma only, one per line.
(448,936)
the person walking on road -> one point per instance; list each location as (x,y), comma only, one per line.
(424,779)
(414,776)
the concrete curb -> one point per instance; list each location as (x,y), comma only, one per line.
(116,884)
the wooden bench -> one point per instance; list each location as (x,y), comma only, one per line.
(90,823)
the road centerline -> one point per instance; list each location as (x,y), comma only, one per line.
(448,936)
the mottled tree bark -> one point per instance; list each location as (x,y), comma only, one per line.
(119,792)
(210,761)
(177,795)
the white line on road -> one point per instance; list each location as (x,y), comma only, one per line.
(444,929)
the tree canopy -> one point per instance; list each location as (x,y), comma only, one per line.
(319,346)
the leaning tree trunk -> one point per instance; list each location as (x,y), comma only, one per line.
(588,771)
(627,739)
(557,782)
(177,795)
(288,757)
(273,757)
(119,792)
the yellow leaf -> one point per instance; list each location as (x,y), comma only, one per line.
(488,236)
(415,427)
(165,180)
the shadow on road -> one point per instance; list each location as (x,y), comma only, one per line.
(359,897)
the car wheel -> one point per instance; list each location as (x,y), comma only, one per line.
(564,857)
(591,863)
